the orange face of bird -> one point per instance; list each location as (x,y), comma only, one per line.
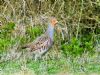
(54,21)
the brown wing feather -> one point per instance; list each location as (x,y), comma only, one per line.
(38,43)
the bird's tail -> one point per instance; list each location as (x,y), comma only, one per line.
(23,47)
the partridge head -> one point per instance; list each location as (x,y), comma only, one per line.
(53,21)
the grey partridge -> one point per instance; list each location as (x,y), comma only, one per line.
(42,44)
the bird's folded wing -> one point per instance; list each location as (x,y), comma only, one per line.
(42,42)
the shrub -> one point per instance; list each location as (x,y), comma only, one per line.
(78,46)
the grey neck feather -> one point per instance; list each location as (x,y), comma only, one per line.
(50,31)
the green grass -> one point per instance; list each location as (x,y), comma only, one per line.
(40,67)
(79,65)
